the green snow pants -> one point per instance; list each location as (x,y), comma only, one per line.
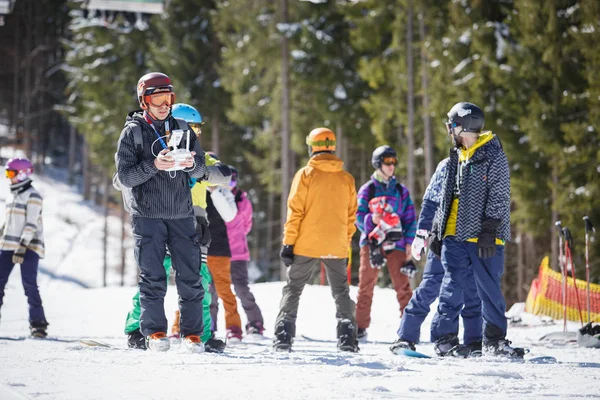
(133,317)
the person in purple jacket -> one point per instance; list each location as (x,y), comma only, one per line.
(395,253)
(237,231)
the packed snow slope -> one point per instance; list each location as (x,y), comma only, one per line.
(77,307)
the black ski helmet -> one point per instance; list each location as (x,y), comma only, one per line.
(467,115)
(380,153)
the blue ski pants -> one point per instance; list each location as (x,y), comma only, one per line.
(29,271)
(459,260)
(429,290)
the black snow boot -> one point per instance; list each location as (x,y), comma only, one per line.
(467,350)
(361,334)
(346,333)
(135,340)
(502,348)
(402,344)
(445,345)
(214,345)
(38,329)
(283,335)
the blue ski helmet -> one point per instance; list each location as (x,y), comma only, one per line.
(187,113)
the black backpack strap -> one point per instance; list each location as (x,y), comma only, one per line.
(138,139)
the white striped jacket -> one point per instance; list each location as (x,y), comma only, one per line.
(23,222)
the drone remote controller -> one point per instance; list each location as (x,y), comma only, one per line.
(179,155)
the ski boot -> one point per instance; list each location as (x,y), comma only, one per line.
(214,345)
(38,329)
(158,342)
(346,333)
(502,348)
(467,350)
(361,334)
(234,335)
(402,344)
(191,344)
(135,340)
(445,345)
(283,336)
(255,329)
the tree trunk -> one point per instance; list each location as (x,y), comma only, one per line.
(428,142)
(285,120)
(105,239)
(520,265)
(87,176)
(123,248)
(363,166)
(72,149)
(553,234)
(410,170)
(28,45)
(215,134)
(17,70)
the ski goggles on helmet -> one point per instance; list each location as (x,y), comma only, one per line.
(159,99)
(233,183)
(452,128)
(389,161)
(11,173)
(196,127)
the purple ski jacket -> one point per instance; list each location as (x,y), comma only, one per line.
(239,227)
(398,197)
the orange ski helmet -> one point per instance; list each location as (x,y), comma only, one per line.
(320,139)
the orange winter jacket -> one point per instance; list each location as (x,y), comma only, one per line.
(321,209)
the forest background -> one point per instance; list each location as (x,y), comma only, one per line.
(263,73)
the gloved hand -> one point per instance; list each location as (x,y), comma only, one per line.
(436,246)
(376,258)
(203,231)
(409,269)
(19,255)
(419,245)
(486,241)
(287,254)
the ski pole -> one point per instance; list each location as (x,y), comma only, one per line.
(569,261)
(588,228)
(563,280)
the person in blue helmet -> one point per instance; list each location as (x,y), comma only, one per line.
(417,309)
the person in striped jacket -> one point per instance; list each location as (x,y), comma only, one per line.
(22,240)
(395,254)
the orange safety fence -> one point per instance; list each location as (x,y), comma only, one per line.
(545,296)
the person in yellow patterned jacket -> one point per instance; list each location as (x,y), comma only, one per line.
(218,174)
(320,223)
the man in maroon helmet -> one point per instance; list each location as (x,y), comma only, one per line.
(161,211)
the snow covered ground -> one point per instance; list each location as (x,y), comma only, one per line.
(77,307)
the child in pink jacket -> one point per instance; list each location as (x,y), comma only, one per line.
(237,231)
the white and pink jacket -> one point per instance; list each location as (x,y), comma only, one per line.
(239,227)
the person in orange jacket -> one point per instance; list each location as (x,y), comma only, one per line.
(320,223)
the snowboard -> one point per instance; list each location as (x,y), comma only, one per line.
(46,339)
(95,343)
(410,353)
(311,339)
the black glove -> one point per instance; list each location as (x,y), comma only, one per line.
(203,231)
(376,258)
(409,269)
(287,254)
(436,246)
(486,241)
(19,255)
